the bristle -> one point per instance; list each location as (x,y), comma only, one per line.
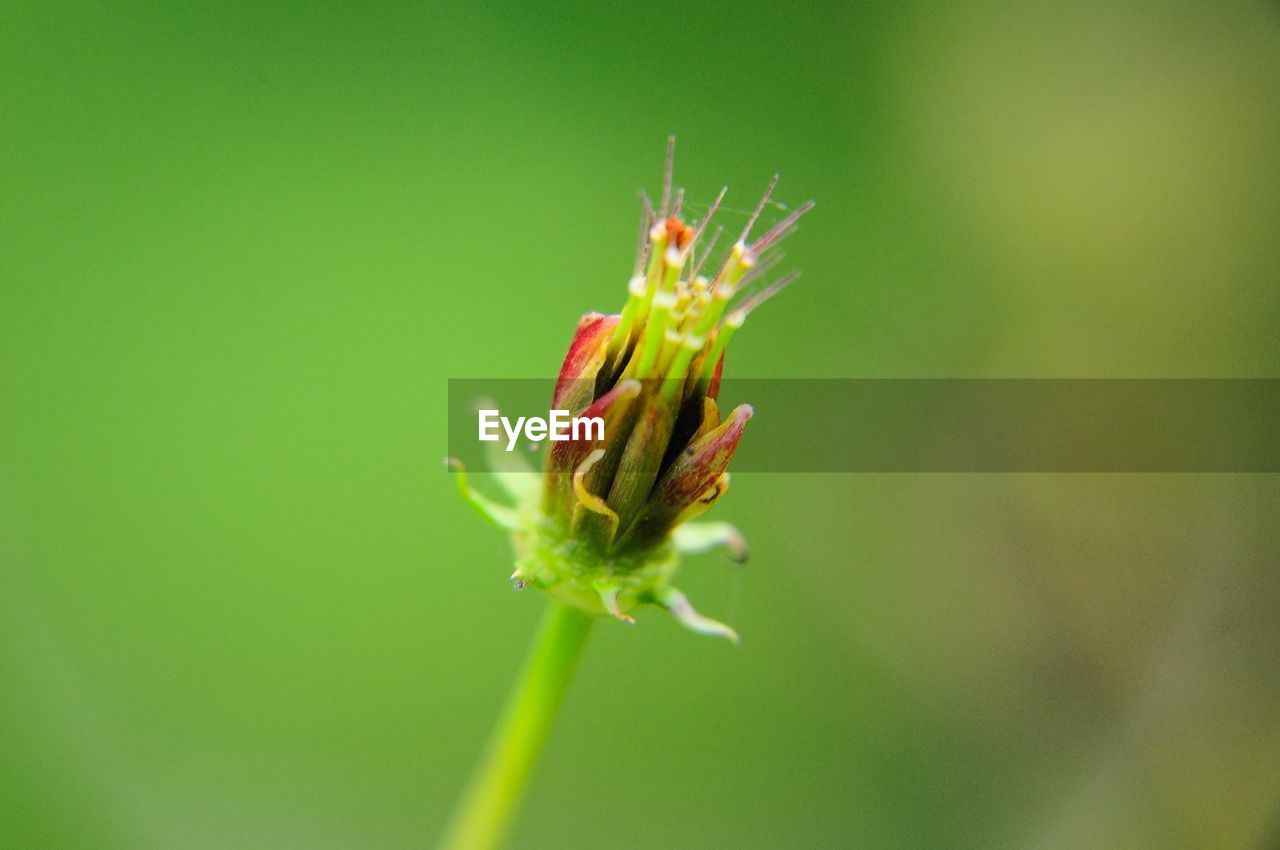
(781,229)
(668,168)
(715,205)
(646,204)
(675,210)
(758,298)
(706,251)
(763,266)
(642,241)
(759,209)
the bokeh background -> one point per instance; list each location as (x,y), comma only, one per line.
(243,246)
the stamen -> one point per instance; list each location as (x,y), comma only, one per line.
(678,368)
(736,318)
(740,261)
(637,306)
(655,327)
(684,296)
(723,334)
(671,339)
(657,247)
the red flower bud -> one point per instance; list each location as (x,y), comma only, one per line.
(603,530)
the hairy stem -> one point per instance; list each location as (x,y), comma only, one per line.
(493,794)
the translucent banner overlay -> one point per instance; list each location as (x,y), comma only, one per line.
(951,425)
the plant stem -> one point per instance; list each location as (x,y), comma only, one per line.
(493,794)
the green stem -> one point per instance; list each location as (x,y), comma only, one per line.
(485,812)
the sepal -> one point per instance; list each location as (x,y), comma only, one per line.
(498,514)
(609,599)
(682,609)
(697,537)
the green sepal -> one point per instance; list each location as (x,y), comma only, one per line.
(682,609)
(495,513)
(696,537)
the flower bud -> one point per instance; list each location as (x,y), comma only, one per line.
(603,530)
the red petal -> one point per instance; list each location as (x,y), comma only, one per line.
(564,456)
(586,354)
(698,467)
(694,473)
(713,388)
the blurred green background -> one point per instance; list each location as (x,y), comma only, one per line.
(243,247)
